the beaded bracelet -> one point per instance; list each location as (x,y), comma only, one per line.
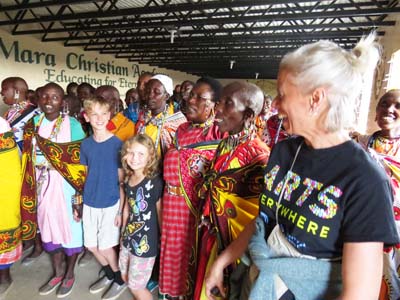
(77,199)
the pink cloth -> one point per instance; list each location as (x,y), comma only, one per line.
(51,210)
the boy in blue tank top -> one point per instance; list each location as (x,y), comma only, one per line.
(103,197)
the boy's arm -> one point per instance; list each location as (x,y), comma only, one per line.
(118,217)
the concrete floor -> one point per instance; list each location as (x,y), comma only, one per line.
(28,279)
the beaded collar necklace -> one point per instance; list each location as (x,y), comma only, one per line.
(53,135)
(231,143)
(206,125)
(385,145)
(56,127)
(16,111)
(154,120)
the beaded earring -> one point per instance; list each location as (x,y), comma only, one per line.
(16,95)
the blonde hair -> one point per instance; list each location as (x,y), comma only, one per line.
(88,104)
(341,72)
(151,169)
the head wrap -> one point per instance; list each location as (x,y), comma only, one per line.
(166,82)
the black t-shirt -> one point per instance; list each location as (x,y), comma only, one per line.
(333,195)
(141,233)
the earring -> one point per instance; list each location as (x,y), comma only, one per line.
(212,113)
(249,124)
(65,111)
(16,95)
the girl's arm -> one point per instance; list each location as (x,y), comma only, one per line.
(235,250)
(159,213)
(362,270)
(125,215)
(118,217)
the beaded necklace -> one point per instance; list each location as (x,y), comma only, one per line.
(154,120)
(206,125)
(53,135)
(16,111)
(385,145)
(231,144)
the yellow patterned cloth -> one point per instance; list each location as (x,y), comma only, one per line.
(10,188)
(231,190)
(161,128)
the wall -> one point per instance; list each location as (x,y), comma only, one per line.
(39,63)
(390,43)
(268,86)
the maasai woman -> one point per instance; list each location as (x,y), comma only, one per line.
(50,180)
(234,181)
(13,90)
(384,146)
(159,121)
(10,218)
(184,168)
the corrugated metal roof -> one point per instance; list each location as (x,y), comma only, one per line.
(206,34)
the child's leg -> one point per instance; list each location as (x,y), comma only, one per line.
(110,255)
(139,272)
(98,255)
(101,257)
(108,238)
(91,218)
(57,260)
(123,263)
(143,294)
(71,262)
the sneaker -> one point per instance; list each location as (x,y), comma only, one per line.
(85,258)
(50,286)
(5,287)
(152,285)
(100,285)
(65,288)
(114,291)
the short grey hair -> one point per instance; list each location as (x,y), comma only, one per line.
(341,72)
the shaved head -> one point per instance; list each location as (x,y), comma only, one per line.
(250,95)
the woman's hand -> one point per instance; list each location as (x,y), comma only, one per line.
(77,212)
(214,281)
